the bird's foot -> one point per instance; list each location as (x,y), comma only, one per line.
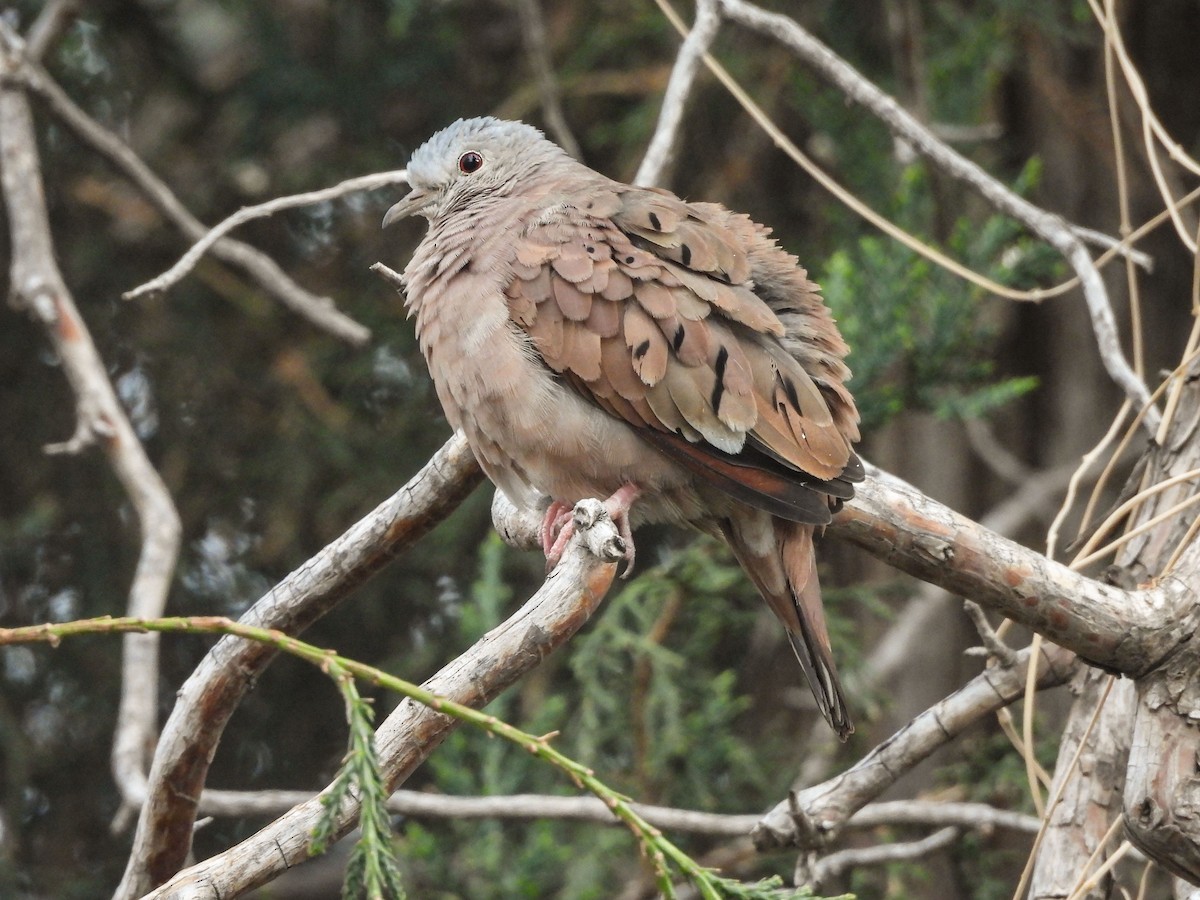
(558,516)
(558,526)
(619,506)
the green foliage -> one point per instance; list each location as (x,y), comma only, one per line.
(372,872)
(921,335)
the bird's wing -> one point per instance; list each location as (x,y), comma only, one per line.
(646,306)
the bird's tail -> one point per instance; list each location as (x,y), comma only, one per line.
(779,558)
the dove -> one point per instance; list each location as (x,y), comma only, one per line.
(596,339)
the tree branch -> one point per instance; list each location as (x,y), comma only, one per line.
(1126,631)
(683,76)
(1048,226)
(188,261)
(55,17)
(992,645)
(537,45)
(38,288)
(569,596)
(422,804)
(260,268)
(209,697)
(813,816)
(829,867)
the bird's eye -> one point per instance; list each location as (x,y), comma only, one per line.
(470,162)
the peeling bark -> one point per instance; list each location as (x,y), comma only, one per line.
(1145,744)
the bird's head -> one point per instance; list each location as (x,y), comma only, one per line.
(470,159)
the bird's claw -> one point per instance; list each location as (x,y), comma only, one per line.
(558,527)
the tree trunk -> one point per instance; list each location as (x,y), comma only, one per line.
(1144,744)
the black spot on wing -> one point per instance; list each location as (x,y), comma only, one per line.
(718,391)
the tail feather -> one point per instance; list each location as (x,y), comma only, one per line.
(779,558)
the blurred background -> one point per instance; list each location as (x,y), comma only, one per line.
(274,437)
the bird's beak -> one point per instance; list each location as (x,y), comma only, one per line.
(415,202)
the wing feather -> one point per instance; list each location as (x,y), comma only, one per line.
(650,307)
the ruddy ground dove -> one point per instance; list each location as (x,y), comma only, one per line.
(595,339)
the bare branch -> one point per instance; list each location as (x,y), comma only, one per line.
(683,76)
(188,261)
(833,865)
(566,600)
(1142,260)
(957,133)
(38,288)
(1125,631)
(391,276)
(209,697)
(259,267)
(813,816)
(992,645)
(519,528)
(55,17)
(911,626)
(937,813)
(421,804)
(1050,227)
(537,45)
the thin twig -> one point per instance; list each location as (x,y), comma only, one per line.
(904,126)
(1126,220)
(260,268)
(992,645)
(1030,747)
(1091,860)
(683,76)
(1142,260)
(1096,877)
(1088,552)
(188,261)
(1085,465)
(829,867)
(537,46)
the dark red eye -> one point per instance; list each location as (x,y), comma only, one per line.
(470,162)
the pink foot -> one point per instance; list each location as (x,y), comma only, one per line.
(618,506)
(557,516)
